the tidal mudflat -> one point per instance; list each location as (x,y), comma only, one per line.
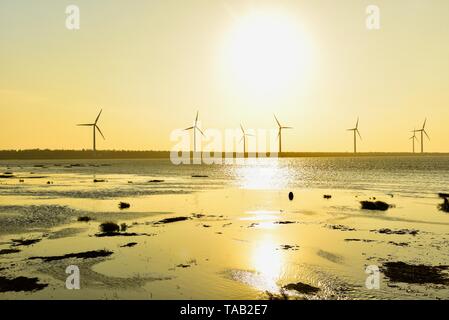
(233,233)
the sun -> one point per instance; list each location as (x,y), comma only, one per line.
(267,52)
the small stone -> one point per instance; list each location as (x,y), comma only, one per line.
(124,205)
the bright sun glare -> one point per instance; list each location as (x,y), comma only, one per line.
(267,52)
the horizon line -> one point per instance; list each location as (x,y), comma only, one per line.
(68,154)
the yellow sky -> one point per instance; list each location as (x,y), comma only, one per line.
(151,64)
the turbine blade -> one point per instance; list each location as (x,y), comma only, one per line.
(189,128)
(241,127)
(359,134)
(357,124)
(243,137)
(287,127)
(86,124)
(277,120)
(98,117)
(200,131)
(196,119)
(424,124)
(426,134)
(98,128)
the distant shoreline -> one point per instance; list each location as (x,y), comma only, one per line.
(39,154)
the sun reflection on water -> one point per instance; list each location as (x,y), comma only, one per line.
(267,262)
(264,175)
(263,219)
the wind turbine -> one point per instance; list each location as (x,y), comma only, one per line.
(413,138)
(94,127)
(356,130)
(280,133)
(195,127)
(244,135)
(423,131)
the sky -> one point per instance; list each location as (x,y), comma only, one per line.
(150,65)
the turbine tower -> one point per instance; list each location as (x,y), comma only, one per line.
(244,135)
(194,128)
(356,131)
(413,138)
(423,131)
(280,127)
(95,127)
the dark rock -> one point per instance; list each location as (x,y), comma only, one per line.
(20,284)
(122,234)
(129,245)
(80,255)
(9,251)
(399,244)
(171,220)
(417,274)
(375,205)
(124,205)
(108,227)
(399,232)
(302,288)
(284,222)
(188,264)
(24,242)
(6,176)
(84,219)
(444,206)
(289,247)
